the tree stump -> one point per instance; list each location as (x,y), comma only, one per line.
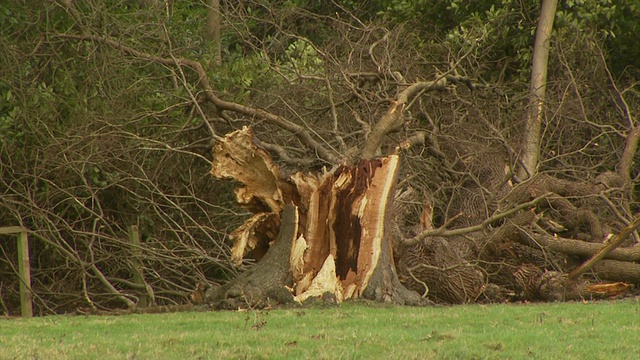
(334,235)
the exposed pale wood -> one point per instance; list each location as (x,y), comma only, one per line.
(264,192)
(238,158)
(376,266)
(325,281)
(611,289)
(250,235)
(343,216)
(373,211)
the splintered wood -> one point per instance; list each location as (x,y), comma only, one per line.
(238,158)
(609,290)
(342,247)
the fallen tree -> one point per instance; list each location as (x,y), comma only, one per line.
(339,239)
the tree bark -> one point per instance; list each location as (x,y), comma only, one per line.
(604,251)
(537,88)
(617,271)
(269,281)
(213,31)
(578,247)
(630,149)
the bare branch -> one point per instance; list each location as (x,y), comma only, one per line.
(222,105)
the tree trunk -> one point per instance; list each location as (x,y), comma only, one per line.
(266,283)
(213,31)
(537,88)
(578,247)
(337,246)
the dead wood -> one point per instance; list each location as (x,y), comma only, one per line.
(537,284)
(349,220)
(343,221)
(502,238)
(576,247)
(609,290)
(551,203)
(614,243)
(434,269)
(443,231)
(393,121)
(343,245)
(263,191)
(570,216)
(615,270)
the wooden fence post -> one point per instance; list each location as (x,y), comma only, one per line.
(24,269)
(138,274)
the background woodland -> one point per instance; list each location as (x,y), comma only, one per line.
(109,111)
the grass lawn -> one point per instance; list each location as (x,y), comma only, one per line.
(601,330)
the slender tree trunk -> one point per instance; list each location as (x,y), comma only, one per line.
(630,149)
(213,31)
(531,143)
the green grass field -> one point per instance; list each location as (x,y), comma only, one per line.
(602,330)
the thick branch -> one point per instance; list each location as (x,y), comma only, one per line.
(602,253)
(576,247)
(537,89)
(617,270)
(392,120)
(267,281)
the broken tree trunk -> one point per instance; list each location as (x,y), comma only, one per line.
(341,246)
